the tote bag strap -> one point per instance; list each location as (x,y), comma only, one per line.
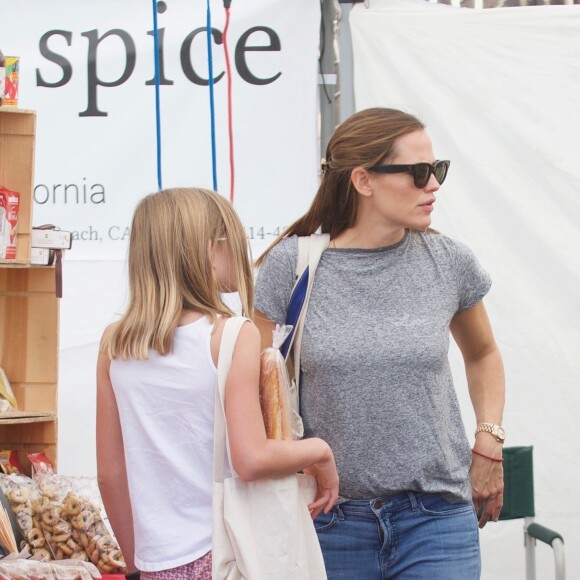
(297,299)
(221,447)
(310,250)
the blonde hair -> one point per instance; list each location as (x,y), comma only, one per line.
(364,139)
(170,268)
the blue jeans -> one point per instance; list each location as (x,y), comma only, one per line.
(404,536)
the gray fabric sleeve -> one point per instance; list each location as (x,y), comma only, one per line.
(275,280)
(473,282)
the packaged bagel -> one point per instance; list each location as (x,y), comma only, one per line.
(275,388)
(50,527)
(69,515)
(92,534)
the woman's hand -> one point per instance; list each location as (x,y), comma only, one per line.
(487,482)
(327,485)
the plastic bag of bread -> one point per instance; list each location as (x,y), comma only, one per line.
(19,569)
(11,569)
(18,491)
(75,569)
(275,388)
(69,513)
(46,495)
(82,507)
(90,531)
(31,569)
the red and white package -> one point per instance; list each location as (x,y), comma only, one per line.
(9,206)
(40,463)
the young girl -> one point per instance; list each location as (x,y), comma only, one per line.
(156,381)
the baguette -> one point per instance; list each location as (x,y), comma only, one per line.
(274,390)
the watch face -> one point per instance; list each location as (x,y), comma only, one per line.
(500,433)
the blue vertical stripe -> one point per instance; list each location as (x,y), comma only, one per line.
(157,99)
(211,97)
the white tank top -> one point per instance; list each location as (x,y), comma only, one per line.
(166,409)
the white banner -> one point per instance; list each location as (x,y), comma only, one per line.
(88,71)
(498,91)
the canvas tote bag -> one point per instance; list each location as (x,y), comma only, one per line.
(262,530)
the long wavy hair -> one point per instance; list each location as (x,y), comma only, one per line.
(363,140)
(170,269)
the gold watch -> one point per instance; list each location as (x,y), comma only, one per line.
(495,430)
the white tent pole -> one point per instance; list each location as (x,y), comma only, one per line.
(327,86)
(336,79)
(345,63)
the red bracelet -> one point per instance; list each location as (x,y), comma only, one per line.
(499,460)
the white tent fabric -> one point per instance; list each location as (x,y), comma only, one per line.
(498,90)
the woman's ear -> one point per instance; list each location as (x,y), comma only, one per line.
(361,180)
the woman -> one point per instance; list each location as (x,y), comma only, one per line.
(156,382)
(375,377)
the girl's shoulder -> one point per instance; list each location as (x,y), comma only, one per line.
(248,328)
(108,332)
(105,343)
(249,335)
(249,339)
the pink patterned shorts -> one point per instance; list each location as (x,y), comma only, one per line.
(200,569)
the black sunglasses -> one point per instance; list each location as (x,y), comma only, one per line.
(421,172)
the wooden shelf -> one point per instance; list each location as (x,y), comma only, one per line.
(20,417)
(29,308)
(14,263)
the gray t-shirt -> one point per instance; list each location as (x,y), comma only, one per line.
(376,382)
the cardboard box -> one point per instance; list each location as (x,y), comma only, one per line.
(54,239)
(11,81)
(41,256)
